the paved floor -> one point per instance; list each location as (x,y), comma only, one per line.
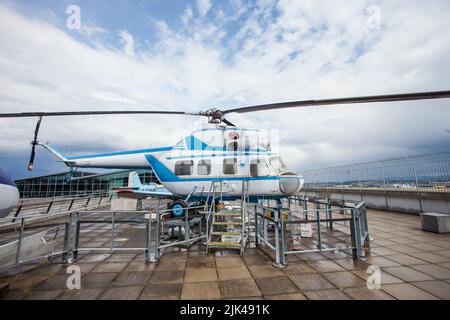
(414,265)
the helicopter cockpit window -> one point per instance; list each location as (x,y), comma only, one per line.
(184,168)
(232,141)
(230,166)
(204,168)
(278,165)
(258,168)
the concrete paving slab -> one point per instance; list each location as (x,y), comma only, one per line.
(363,293)
(200,291)
(429,257)
(110,267)
(298,268)
(406,291)
(239,288)
(97,280)
(82,294)
(325,266)
(405,259)
(440,289)
(140,266)
(229,261)
(311,282)
(155,290)
(433,270)
(127,279)
(121,293)
(276,285)
(408,274)
(265,271)
(386,278)
(233,273)
(331,294)
(200,275)
(42,295)
(351,264)
(344,279)
(289,296)
(167,276)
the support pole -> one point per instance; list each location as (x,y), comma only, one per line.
(19,243)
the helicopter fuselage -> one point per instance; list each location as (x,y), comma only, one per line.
(227,156)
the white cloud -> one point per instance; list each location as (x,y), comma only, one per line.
(203,6)
(302,53)
(127,41)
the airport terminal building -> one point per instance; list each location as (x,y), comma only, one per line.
(77,183)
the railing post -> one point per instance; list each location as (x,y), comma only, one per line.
(147,240)
(17,213)
(71,204)
(66,242)
(256,228)
(264,225)
(417,186)
(158,233)
(279,246)
(113,229)
(76,236)
(19,243)
(330,212)
(356,234)
(319,233)
(186,224)
(50,206)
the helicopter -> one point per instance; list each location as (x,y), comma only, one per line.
(223,153)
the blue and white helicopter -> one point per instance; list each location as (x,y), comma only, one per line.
(227,155)
(223,153)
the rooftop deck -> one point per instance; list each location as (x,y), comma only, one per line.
(414,265)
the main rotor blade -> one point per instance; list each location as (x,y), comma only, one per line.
(228,122)
(89,113)
(353,100)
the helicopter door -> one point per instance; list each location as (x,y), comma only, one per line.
(259,168)
(230,168)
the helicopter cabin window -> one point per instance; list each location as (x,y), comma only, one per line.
(230,166)
(259,168)
(204,168)
(184,168)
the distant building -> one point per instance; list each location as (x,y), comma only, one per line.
(77,183)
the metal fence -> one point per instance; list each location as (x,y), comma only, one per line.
(426,172)
(77,183)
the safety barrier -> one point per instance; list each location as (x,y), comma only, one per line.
(266,216)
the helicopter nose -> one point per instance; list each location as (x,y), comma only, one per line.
(291,184)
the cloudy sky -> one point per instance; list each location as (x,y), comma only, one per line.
(195,55)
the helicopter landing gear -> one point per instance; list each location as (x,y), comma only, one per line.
(178,207)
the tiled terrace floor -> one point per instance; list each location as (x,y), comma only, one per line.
(414,264)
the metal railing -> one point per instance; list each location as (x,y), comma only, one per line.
(420,173)
(279,218)
(53,205)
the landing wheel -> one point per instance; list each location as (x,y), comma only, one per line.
(178,207)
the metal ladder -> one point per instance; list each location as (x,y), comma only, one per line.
(229,223)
